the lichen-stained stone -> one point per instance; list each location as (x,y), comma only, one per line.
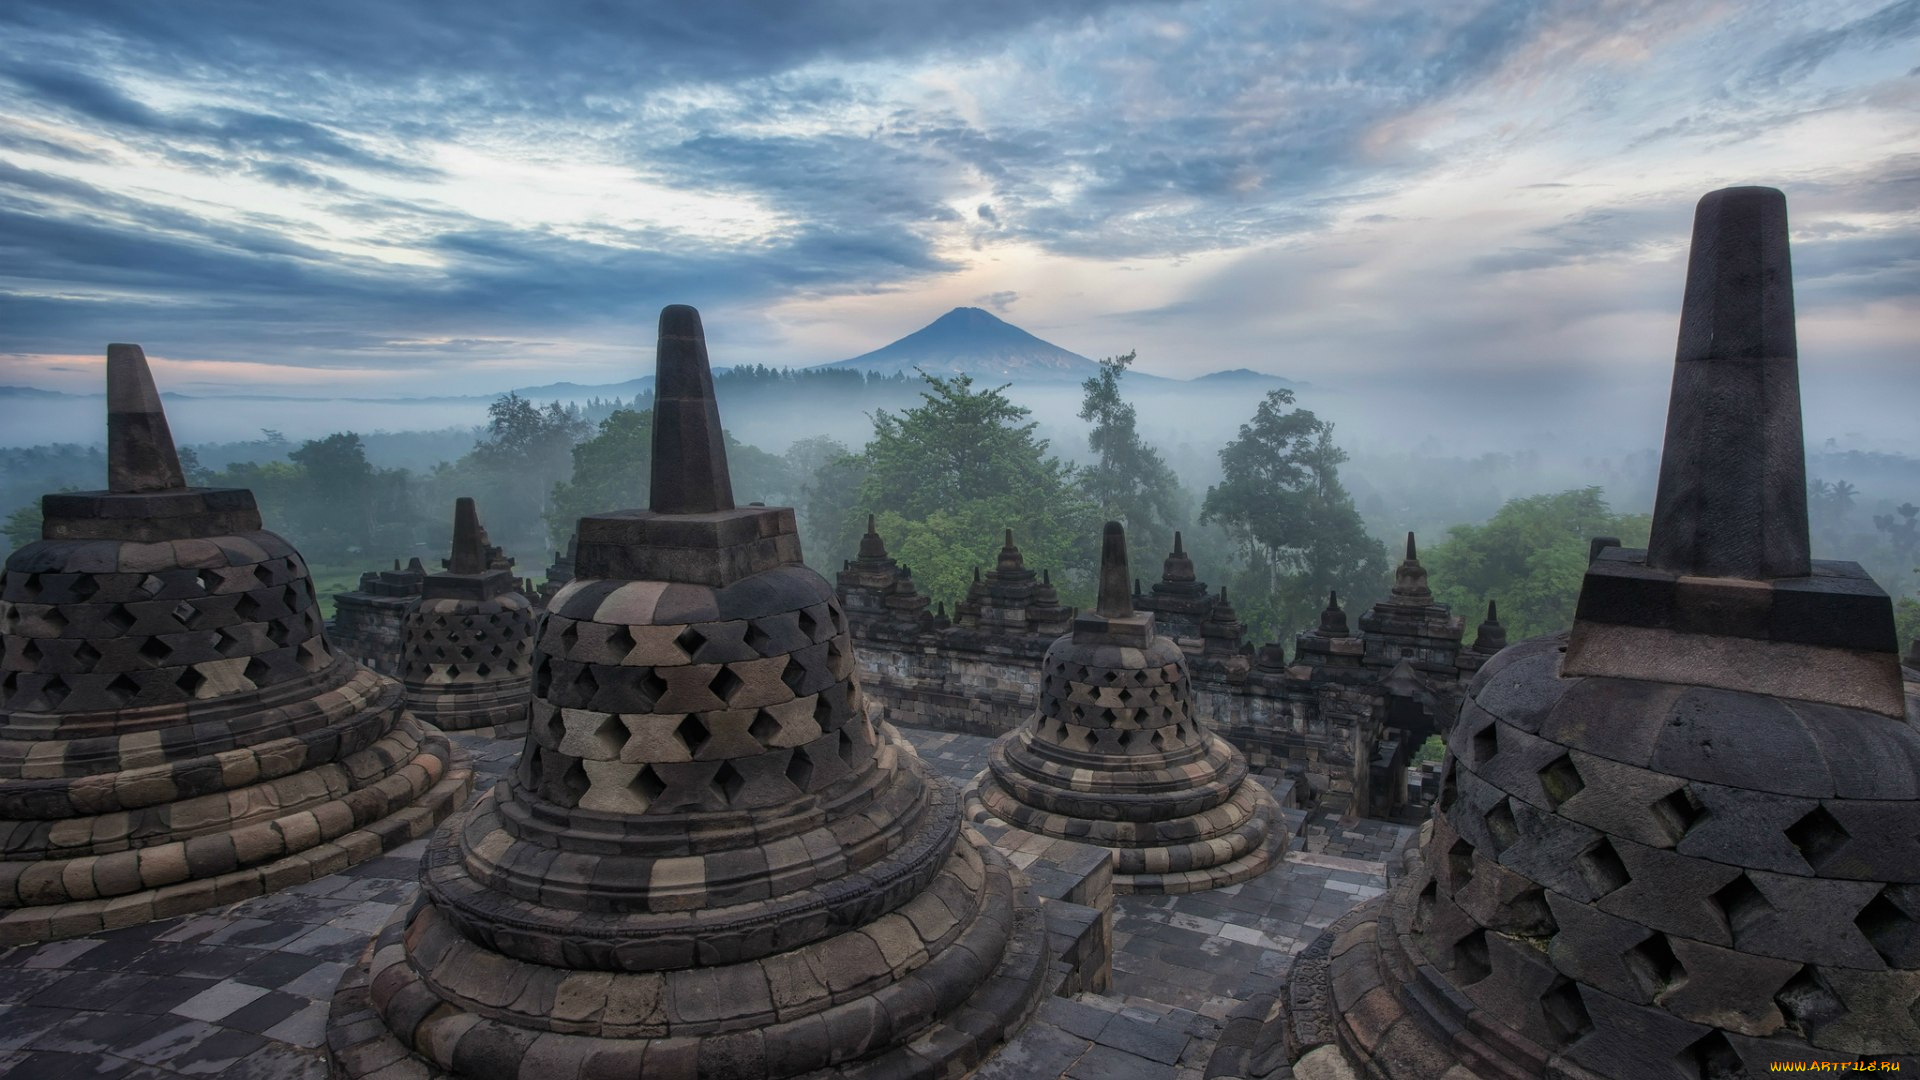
(710,860)
(176,730)
(1709,785)
(1117,756)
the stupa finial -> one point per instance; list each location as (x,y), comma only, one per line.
(1732,500)
(689,452)
(1116,601)
(469,554)
(140,453)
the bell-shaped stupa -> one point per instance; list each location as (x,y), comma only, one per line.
(175,732)
(467,652)
(1684,840)
(709,861)
(1116,756)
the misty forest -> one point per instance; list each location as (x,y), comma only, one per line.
(1270,503)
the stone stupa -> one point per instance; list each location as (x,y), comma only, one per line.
(175,731)
(467,652)
(1116,756)
(709,862)
(1684,840)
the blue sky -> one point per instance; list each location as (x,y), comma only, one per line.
(388,196)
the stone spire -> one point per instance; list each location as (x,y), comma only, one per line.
(1178,567)
(140,453)
(1333,621)
(1732,500)
(1223,629)
(469,543)
(1492,637)
(1010,560)
(689,452)
(872,548)
(1410,580)
(1726,595)
(1115,601)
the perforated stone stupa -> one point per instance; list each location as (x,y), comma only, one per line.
(468,653)
(709,861)
(1683,841)
(175,731)
(1116,756)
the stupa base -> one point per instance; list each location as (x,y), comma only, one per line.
(444,782)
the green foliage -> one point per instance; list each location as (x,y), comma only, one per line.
(614,471)
(827,480)
(1292,522)
(1906,622)
(947,478)
(1530,557)
(23,525)
(513,467)
(1128,481)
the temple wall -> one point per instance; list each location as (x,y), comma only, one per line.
(371,629)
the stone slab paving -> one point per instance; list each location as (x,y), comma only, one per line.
(243,991)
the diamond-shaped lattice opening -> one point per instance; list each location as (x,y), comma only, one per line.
(693,734)
(312,655)
(556,728)
(1470,962)
(54,620)
(1712,1057)
(652,687)
(847,751)
(483,669)
(728,782)
(542,676)
(1600,866)
(1449,788)
(55,691)
(823,712)
(1807,1002)
(690,641)
(151,585)
(123,689)
(1818,835)
(532,765)
(118,618)
(574,783)
(1566,1014)
(757,639)
(620,641)
(30,588)
(610,736)
(190,681)
(210,580)
(1893,933)
(647,786)
(282,631)
(1109,676)
(84,586)
(1653,965)
(257,671)
(794,674)
(1560,781)
(724,684)
(1423,907)
(585,685)
(1741,905)
(569,638)
(249,607)
(1486,743)
(800,769)
(808,624)
(1125,739)
(765,727)
(30,652)
(263,572)
(1505,831)
(1459,865)
(1679,812)
(86,654)
(184,613)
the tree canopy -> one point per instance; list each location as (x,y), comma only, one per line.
(1530,557)
(1128,480)
(1298,534)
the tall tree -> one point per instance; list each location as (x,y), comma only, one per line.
(525,450)
(1281,501)
(1128,480)
(1531,557)
(337,512)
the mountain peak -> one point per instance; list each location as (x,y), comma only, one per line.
(974,341)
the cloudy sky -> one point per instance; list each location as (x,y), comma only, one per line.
(390,196)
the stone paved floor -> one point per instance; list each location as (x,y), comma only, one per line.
(242,991)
